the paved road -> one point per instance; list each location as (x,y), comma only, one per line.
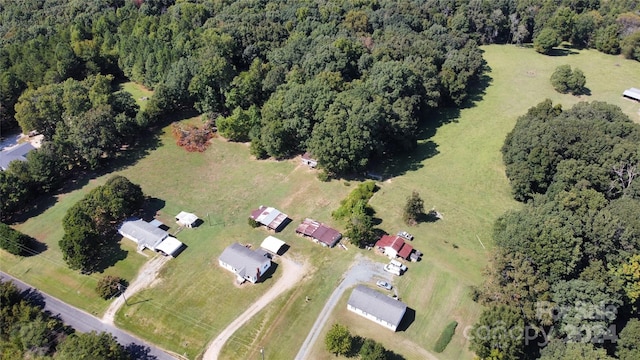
(85,322)
(363,270)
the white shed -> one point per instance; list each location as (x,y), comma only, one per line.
(186,219)
(272,244)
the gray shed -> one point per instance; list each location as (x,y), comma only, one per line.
(377,307)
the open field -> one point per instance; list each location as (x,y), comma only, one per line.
(138,92)
(457,169)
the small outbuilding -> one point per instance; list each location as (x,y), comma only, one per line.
(270,217)
(308,160)
(186,219)
(244,262)
(377,307)
(319,232)
(15,153)
(632,93)
(273,245)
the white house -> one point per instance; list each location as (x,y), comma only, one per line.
(308,160)
(148,235)
(377,307)
(244,262)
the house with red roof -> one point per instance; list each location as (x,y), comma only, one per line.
(394,245)
(319,232)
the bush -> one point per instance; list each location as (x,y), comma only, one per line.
(564,80)
(546,41)
(445,337)
(323,176)
(13,241)
(254,224)
(108,286)
(338,340)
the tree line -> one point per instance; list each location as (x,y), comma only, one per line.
(347,81)
(563,279)
(29,332)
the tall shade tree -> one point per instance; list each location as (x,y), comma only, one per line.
(338,340)
(413,209)
(91,345)
(499,331)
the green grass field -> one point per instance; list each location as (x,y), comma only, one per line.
(140,93)
(457,169)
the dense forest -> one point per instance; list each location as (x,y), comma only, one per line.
(348,81)
(565,271)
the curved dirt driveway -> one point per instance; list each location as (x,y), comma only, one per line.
(292,273)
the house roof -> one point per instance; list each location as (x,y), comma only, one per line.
(377,304)
(169,245)
(270,217)
(142,232)
(319,231)
(242,258)
(397,243)
(632,93)
(307,156)
(18,152)
(186,218)
(272,244)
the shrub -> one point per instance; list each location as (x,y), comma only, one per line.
(323,176)
(338,340)
(12,240)
(108,286)
(445,337)
(362,193)
(565,80)
(546,41)
(254,224)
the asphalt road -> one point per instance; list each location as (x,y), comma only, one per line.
(85,322)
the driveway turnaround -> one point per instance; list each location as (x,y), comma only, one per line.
(292,273)
(363,270)
(85,322)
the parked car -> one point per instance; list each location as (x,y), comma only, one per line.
(398,264)
(384,285)
(393,269)
(406,235)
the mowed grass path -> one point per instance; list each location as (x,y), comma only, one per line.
(458,170)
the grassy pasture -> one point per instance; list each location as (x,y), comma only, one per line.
(138,92)
(457,169)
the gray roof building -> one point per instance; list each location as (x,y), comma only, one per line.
(143,233)
(244,262)
(18,152)
(377,307)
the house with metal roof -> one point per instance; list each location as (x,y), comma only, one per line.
(15,153)
(244,262)
(377,307)
(632,93)
(319,232)
(270,217)
(150,236)
(394,245)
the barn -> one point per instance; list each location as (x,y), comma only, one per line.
(270,217)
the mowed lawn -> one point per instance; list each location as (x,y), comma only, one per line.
(139,93)
(457,169)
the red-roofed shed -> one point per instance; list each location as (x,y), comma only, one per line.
(394,245)
(319,232)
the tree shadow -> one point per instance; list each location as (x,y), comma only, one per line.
(561,52)
(34,247)
(408,319)
(33,297)
(478,89)
(151,207)
(393,356)
(110,254)
(139,352)
(428,217)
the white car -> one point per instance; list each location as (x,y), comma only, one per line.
(393,269)
(406,235)
(398,264)
(384,285)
